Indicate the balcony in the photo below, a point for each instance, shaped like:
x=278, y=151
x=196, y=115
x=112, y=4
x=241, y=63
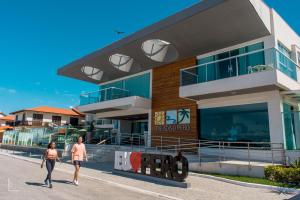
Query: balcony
x=250, y=72
x=113, y=99
x=103, y=95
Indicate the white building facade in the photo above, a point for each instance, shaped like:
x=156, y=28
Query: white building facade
x=240, y=84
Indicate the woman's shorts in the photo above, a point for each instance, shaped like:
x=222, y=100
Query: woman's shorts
x=77, y=162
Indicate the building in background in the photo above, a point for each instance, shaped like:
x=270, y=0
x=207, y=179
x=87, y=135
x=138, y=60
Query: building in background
x=44, y=115
x=6, y=123
x=217, y=71
x=7, y=120
x=2, y=114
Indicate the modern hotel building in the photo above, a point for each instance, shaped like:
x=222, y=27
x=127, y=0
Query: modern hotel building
x=221, y=70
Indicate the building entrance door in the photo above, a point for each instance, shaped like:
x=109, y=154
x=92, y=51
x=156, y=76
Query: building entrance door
x=139, y=131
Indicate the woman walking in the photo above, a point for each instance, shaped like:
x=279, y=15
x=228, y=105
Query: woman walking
x=50, y=156
x=78, y=154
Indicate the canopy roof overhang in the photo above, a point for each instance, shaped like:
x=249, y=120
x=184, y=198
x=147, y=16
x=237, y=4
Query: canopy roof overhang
x=292, y=94
x=207, y=26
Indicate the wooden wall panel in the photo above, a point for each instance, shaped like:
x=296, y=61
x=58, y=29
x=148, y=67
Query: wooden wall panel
x=165, y=96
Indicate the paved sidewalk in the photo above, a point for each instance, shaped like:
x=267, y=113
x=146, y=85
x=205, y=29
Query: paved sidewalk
x=201, y=188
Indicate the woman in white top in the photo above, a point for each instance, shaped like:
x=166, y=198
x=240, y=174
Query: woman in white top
x=50, y=156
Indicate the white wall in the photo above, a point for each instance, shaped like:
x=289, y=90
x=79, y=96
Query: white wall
x=2, y=123
x=263, y=11
x=283, y=32
x=47, y=117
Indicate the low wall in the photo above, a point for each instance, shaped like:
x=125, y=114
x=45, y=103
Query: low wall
x=27, y=149
x=242, y=154
x=226, y=168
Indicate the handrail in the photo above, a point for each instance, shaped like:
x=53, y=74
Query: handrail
x=240, y=55
x=103, y=141
x=103, y=90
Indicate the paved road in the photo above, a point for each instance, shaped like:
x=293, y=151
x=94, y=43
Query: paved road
x=23, y=180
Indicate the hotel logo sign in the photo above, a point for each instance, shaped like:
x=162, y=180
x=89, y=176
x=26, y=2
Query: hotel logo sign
x=172, y=120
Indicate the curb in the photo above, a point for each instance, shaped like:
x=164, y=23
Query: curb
x=252, y=185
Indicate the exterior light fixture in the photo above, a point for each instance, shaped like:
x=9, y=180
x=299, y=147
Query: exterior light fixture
x=159, y=50
x=92, y=72
x=121, y=62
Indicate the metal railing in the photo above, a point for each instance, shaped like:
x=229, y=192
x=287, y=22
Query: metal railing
x=106, y=94
x=197, y=151
x=247, y=63
x=204, y=150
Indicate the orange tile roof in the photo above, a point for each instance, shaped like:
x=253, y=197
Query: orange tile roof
x=8, y=118
x=47, y=109
x=5, y=127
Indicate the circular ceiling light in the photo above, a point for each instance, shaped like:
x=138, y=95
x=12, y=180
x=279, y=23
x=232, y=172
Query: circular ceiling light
x=121, y=62
x=92, y=72
x=159, y=50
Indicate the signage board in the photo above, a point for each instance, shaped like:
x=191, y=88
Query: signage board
x=155, y=165
x=172, y=120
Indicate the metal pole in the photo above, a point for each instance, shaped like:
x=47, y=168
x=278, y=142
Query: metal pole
x=219, y=153
x=139, y=142
x=272, y=154
x=237, y=66
x=199, y=153
x=131, y=138
x=249, y=155
x=161, y=144
x=206, y=73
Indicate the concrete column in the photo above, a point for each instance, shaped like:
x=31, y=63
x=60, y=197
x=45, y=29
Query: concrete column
x=275, y=118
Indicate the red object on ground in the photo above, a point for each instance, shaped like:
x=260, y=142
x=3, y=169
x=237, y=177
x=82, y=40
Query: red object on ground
x=136, y=160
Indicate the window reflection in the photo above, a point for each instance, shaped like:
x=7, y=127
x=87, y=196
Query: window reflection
x=242, y=123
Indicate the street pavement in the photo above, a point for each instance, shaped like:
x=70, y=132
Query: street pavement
x=23, y=180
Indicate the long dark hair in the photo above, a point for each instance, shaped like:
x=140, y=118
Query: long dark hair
x=49, y=145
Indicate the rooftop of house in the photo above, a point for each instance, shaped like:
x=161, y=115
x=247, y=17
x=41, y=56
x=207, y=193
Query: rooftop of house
x=1, y=113
x=47, y=109
x=4, y=128
x=8, y=118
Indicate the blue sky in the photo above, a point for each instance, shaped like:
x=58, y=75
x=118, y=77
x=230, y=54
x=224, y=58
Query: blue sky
x=37, y=37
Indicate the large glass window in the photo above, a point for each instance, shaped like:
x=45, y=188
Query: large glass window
x=231, y=67
x=136, y=86
x=284, y=50
x=285, y=63
x=291, y=120
x=242, y=123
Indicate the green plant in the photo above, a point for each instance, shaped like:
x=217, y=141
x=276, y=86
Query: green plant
x=282, y=174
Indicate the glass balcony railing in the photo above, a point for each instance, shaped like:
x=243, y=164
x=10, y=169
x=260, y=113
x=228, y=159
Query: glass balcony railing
x=103, y=95
x=248, y=63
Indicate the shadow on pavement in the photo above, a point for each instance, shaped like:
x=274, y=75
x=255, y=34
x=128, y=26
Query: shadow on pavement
x=35, y=184
x=105, y=167
x=297, y=197
x=62, y=181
